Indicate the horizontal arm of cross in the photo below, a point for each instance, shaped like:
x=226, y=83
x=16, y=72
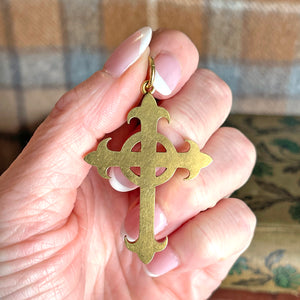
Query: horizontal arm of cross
x=193, y=160
x=103, y=158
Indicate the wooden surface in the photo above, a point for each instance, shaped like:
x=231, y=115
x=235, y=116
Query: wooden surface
x=223, y=294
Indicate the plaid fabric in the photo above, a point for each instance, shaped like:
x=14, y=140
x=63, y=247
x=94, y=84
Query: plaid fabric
x=47, y=47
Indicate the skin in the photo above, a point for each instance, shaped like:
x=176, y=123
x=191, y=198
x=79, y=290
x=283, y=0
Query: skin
x=60, y=222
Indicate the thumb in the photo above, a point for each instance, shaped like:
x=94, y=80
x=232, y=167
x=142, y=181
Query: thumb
x=40, y=186
x=95, y=107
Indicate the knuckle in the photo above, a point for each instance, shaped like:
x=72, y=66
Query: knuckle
x=63, y=104
x=244, y=220
x=215, y=85
x=208, y=248
x=244, y=217
x=223, y=231
x=244, y=149
x=241, y=223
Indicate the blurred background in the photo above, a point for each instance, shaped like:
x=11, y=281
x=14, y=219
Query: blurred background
x=48, y=47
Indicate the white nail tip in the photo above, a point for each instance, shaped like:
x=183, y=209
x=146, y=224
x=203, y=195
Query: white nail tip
x=129, y=238
x=160, y=85
x=116, y=184
x=146, y=35
x=149, y=273
x=162, y=223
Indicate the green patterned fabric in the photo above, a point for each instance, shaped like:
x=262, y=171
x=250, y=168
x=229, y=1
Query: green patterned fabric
x=272, y=262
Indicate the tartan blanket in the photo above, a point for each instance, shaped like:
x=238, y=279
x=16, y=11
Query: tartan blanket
x=47, y=47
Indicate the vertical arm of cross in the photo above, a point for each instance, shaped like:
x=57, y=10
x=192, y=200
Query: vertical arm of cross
x=146, y=245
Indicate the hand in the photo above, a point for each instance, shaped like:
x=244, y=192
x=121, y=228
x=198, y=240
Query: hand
x=60, y=222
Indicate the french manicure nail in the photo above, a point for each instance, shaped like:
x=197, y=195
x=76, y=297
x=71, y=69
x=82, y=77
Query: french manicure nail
x=119, y=181
x=131, y=224
x=162, y=263
x=128, y=52
x=160, y=220
x=167, y=73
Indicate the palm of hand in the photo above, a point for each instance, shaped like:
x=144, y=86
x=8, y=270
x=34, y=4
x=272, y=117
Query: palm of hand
x=97, y=264
x=82, y=256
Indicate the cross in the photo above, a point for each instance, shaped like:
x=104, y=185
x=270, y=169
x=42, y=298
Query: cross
x=148, y=159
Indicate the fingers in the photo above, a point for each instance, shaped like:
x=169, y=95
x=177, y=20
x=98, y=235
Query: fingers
x=233, y=160
x=97, y=106
x=211, y=237
x=178, y=200
x=192, y=282
x=172, y=71
x=86, y=113
x=196, y=111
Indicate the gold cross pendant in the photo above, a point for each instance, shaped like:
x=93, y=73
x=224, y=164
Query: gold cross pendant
x=148, y=159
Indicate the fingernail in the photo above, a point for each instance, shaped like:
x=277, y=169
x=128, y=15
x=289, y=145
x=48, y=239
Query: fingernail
x=128, y=52
x=131, y=224
x=162, y=263
x=167, y=73
x=160, y=220
x=118, y=180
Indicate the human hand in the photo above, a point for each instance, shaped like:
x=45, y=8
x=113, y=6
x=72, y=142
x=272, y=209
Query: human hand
x=60, y=222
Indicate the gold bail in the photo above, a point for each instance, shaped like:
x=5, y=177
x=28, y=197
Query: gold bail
x=147, y=86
